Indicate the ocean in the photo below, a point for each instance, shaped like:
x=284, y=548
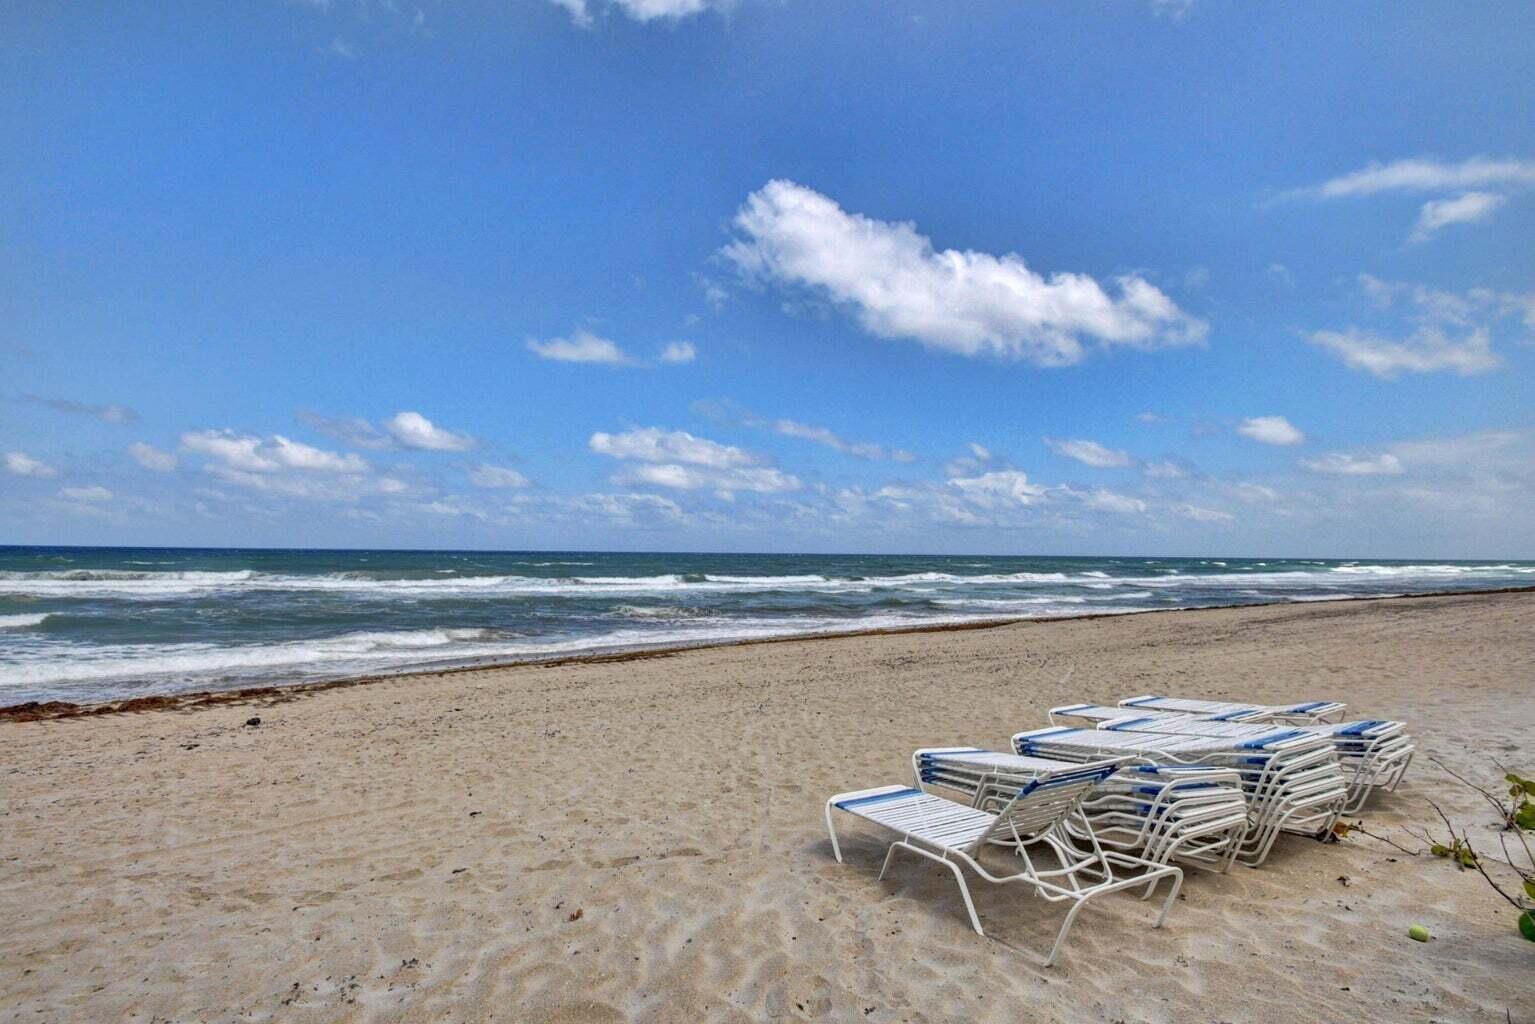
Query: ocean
x=90, y=624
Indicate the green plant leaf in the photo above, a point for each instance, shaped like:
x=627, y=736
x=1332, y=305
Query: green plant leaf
x=1527, y=926
x=1525, y=816
x=1529, y=888
x=1439, y=850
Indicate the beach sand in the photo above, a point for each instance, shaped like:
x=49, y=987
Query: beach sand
x=642, y=840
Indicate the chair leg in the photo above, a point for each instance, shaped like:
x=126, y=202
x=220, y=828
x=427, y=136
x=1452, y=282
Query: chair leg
x=889, y=856
x=1171, y=896
x=1060, y=937
x=959, y=876
x=832, y=830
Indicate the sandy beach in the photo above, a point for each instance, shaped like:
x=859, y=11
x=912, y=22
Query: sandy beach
x=642, y=840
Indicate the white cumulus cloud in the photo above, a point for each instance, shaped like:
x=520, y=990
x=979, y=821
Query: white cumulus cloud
x=413, y=430
x=1089, y=453
x=971, y=303
x=1006, y=486
x=269, y=455
x=23, y=464
x=150, y=457
x=1271, y=430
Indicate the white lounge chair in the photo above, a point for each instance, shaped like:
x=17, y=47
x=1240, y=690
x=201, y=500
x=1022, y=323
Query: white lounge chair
x=1301, y=712
x=1292, y=779
x=1197, y=815
x=1373, y=753
x=953, y=834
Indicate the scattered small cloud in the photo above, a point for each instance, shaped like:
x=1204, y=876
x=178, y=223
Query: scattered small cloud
x=93, y=493
x=1280, y=274
x=413, y=430
x=250, y=454
x=1425, y=175
x=580, y=11
x=118, y=414
x=1343, y=464
x=1165, y=469
x=965, y=302
x=22, y=464
x=353, y=431
x=1433, y=330
x=677, y=352
x=1009, y=486
x=682, y=461
x=496, y=477
x=857, y=449
x=581, y=347
x=1271, y=430
x=726, y=411
x=1467, y=208
x=1426, y=350
x=1465, y=185
x=1175, y=10
x=150, y=457
x=1089, y=453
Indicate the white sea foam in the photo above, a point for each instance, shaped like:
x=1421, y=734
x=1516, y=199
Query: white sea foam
x=160, y=586
x=160, y=668
x=22, y=621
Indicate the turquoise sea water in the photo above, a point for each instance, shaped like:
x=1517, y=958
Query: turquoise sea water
x=87, y=624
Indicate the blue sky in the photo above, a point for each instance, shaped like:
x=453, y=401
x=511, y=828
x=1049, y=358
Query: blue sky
x=1117, y=277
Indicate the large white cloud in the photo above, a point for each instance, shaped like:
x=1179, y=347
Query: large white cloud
x=1089, y=453
x=972, y=303
x=413, y=430
x=22, y=464
x=1271, y=430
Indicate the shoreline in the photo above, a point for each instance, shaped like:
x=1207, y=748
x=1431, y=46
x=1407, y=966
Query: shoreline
x=39, y=711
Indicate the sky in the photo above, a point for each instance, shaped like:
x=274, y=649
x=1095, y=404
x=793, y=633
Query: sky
x=1106, y=277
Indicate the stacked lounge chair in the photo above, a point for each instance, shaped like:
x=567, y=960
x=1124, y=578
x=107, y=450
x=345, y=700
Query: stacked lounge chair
x=1302, y=712
x=1374, y=753
x=1292, y=780
x=1157, y=812
x=1031, y=821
